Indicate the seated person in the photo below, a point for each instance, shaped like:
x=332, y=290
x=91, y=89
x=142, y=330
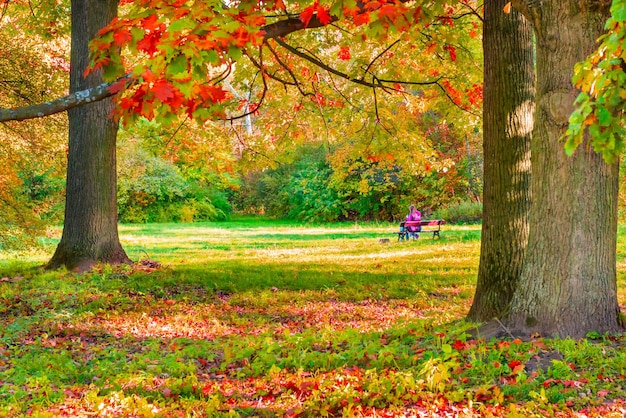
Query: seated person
x=414, y=215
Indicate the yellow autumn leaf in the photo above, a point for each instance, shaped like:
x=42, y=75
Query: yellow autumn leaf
x=507, y=8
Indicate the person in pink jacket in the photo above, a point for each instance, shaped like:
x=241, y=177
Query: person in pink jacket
x=414, y=215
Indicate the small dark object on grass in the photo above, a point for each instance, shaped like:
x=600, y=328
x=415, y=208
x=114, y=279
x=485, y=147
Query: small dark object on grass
x=150, y=263
x=383, y=241
x=147, y=265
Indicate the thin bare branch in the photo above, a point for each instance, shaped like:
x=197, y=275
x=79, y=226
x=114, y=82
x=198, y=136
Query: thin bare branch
x=322, y=65
x=371, y=64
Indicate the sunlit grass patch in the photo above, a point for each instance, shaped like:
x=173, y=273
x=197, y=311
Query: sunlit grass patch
x=268, y=318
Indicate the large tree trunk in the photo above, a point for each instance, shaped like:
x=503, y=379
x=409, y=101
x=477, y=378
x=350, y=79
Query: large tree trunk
x=90, y=230
x=508, y=109
x=568, y=282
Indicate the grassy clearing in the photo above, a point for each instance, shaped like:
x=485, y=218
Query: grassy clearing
x=260, y=318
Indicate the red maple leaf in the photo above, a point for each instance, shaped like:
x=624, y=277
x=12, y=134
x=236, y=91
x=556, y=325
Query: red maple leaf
x=163, y=90
x=121, y=37
x=323, y=15
x=452, y=50
x=255, y=20
x=117, y=86
x=362, y=19
x=318, y=99
x=389, y=10
x=148, y=43
x=307, y=14
x=372, y=5
x=213, y=94
x=107, y=28
x=344, y=53
x=458, y=345
x=241, y=36
x=150, y=22
x=100, y=45
x=127, y=103
x=177, y=101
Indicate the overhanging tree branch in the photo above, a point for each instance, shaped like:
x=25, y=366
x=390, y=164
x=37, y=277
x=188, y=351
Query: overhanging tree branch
x=276, y=31
x=103, y=91
x=62, y=104
x=283, y=28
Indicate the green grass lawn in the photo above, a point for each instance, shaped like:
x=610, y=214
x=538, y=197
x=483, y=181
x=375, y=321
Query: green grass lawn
x=262, y=318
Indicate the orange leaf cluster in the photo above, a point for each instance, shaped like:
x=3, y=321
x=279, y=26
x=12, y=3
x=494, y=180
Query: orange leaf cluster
x=318, y=10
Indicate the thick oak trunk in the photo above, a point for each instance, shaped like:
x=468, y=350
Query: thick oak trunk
x=90, y=232
x=568, y=281
x=508, y=109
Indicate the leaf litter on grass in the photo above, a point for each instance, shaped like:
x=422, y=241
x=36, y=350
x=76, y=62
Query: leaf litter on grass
x=151, y=343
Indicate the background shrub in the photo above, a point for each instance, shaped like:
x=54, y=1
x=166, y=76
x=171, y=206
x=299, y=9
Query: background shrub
x=461, y=213
x=152, y=189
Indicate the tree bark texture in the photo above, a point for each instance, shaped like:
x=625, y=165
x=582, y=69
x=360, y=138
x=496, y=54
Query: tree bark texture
x=90, y=232
x=508, y=110
x=568, y=286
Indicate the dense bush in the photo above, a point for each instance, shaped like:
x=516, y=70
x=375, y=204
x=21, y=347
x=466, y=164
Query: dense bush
x=299, y=190
x=310, y=197
x=368, y=188
x=151, y=189
x=461, y=213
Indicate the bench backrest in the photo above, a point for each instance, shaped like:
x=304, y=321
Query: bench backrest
x=422, y=222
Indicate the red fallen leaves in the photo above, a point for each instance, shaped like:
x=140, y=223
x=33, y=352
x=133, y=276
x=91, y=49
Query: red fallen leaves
x=147, y=266
x=568, y=383
x=11, y=279
x=516, y=366
x=458, y=345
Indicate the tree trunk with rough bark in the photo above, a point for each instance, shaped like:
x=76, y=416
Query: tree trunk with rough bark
x=90, y=232
x=508, y=110
x=568, y=286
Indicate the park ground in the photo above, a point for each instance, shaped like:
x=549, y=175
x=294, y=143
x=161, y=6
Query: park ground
x=265, y=318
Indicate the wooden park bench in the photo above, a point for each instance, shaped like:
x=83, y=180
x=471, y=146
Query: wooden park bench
x=433, y=225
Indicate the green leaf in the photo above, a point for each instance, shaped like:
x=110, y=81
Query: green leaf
x=137, y=34
x=604, y=116
x=572, y=142
x=211, y=56
x=618, y=10
x=177, y=65
x=185, y=88
x=181, y=24
x=112, y=71
x=234, y=52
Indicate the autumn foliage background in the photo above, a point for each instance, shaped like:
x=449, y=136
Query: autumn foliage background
x=318, y=149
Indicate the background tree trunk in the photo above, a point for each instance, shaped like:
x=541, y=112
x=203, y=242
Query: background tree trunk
x=90, y=232
x=568, y=282
x=508, y=109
